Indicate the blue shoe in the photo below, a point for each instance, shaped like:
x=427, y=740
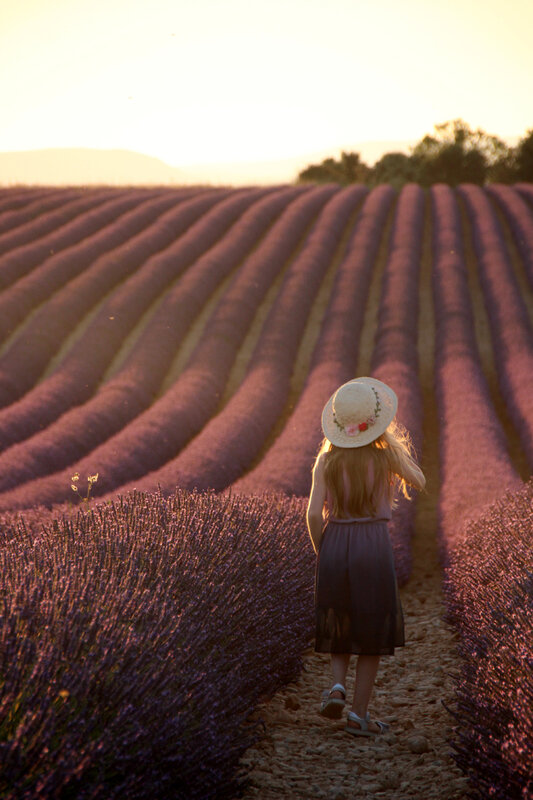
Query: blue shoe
x=331, y=707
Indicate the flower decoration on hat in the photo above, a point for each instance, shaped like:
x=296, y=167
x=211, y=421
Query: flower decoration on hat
x=355, y=428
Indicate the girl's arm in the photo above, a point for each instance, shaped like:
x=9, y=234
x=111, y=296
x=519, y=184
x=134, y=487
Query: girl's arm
x=315, y=506
x=405, y=467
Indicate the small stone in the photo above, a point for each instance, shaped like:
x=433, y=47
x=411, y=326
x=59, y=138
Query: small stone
x=389, y=780
x=292, y=703
x=284, y=716
x=418, y=744
x=339, y=794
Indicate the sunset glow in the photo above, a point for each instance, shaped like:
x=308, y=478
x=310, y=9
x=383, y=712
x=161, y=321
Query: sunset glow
x=246, y=80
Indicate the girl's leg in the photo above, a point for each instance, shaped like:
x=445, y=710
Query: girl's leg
x=339, y=668
x=367, y=667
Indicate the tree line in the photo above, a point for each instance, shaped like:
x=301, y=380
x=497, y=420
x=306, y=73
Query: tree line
x=453, y=154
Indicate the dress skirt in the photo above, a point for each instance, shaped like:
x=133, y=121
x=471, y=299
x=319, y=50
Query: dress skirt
x=357, y=605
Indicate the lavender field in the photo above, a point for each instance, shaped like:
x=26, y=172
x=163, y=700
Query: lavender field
x=181, y=343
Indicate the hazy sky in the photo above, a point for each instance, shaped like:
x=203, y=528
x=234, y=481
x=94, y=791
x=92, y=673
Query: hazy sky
x=227, y=80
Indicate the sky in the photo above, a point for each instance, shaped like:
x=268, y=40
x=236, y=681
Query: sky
x=220, y=81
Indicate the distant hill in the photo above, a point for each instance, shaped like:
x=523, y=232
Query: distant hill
x=80, y=165
x=90, y=166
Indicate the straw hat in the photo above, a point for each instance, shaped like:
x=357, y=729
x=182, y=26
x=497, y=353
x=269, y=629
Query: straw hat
x=358, y=412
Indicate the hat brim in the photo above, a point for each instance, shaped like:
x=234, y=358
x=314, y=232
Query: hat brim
x=389, y=405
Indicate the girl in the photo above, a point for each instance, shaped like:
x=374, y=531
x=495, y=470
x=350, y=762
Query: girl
x=363, y=459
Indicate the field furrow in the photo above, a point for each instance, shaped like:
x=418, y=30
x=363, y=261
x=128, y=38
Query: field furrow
x=30, y=244
x=520, y=218
x=13, y=199
x=88, y=272
x=475, y=466
x=135, y=384
x=395, y=356
x=160, y=432
x=286, y=467
x=484, y=545
x=511, y=329
x=232, y=438
x=162, y=258
x=13, y=214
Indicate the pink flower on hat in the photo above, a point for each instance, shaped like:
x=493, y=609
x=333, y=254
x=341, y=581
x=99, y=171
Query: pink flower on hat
x=352, y=429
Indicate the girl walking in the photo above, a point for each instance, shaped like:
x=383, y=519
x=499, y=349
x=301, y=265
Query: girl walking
x=366, y=457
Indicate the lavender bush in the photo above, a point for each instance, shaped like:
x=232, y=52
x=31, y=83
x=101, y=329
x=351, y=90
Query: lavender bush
x=18, y=208
x=29, y=245
x=156, y=258
x=489, y=587
x=154, y=276
x=475, y=467
x=233, y=438
x=137, y=638
x=72, y=282
x=520, y=218
x=132, y=388
x=526, y=190
x=511, y=330
x=76, y=277
x=286, y=467
x=395, y=356
x=158, y=433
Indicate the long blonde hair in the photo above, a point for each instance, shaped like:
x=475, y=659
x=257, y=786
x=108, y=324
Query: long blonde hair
x=392, y=458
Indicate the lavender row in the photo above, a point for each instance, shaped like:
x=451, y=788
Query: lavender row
x=14, y=213
x=475, y=467
x=160, y=432
x=132, y=388
x=29, y=244
x=160, y=259
x=520, y=218
x=490, y=590
x=511, y=329
x=526, y=190
x=230, y=441
x=83, y=261
x=233, y=438
x=286, y=467
x=395, y=356
x=81, y=276
x=124, y=634
x=17, y=197
x=474, y=463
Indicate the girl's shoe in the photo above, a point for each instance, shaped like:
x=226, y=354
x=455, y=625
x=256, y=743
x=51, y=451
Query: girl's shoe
x=331, y=707
x=364, y=730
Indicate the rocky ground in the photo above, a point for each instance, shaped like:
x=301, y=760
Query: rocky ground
x=304, y=755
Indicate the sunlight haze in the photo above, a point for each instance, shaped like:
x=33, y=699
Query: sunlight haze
x=209, y=82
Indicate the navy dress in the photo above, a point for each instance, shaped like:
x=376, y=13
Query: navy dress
x=357, y=604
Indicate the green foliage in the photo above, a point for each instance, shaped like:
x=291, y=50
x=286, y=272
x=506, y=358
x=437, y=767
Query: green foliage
x=524, y=158
x=394, y=168
x=348, y=169
x=453, y=154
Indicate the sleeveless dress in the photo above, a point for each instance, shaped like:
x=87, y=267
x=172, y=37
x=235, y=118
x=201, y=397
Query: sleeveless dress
x=357, y=604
